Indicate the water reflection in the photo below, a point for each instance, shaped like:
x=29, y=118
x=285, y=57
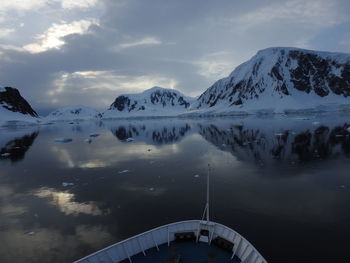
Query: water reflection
x=101, y=205
x=153, y=132
x=269, y=145
x=15, y=148
x=66, y=204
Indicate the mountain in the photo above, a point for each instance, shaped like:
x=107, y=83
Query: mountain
x=79, y=112
x=13, y=107
x=282, y=80
x=153, y=102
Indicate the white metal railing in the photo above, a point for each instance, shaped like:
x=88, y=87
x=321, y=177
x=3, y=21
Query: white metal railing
x=165, y=234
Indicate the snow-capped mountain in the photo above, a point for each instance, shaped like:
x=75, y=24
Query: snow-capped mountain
x=153, y=102
x=13, y=107
x=282, y=80
x=79, y=112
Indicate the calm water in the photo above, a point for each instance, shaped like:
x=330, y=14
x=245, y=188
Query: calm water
x=283, y=183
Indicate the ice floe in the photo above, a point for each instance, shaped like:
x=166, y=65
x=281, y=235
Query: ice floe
x=63, y=140
x=65, y=184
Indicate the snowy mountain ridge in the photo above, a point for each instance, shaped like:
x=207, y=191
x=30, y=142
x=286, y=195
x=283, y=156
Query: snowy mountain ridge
x=79, y=112
x=280, y=80
x=153, y=102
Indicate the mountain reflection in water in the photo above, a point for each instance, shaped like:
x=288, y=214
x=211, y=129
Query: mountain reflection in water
x=16, y=148
x=278, y=181
x=261, y=145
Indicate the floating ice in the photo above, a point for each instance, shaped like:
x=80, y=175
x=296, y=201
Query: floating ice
x=303, y=118
x=123, y=172
x=65, y=184
x=31, y=233
x=5, y=155
x=279, y=134
x=316, y=123
x=130, y=139
x=88, y=140
x=94, y=134
x=196, y=176
x=63, y=140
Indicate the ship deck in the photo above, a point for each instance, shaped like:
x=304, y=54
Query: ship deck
x=184, y=252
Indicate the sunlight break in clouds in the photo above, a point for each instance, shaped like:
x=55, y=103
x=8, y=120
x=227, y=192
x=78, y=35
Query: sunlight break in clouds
x=101, y=86
x=108, y=80
x=52, y=37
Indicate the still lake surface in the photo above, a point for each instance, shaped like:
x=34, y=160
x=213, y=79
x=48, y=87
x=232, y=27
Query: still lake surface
x=282, y=182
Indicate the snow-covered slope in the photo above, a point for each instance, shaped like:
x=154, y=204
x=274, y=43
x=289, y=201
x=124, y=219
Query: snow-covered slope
x=14, y=108
x=152, y=102
x=79, y=112
x=282, y=80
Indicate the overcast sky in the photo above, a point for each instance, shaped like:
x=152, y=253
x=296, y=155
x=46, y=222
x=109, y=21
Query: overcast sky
x=66, y=52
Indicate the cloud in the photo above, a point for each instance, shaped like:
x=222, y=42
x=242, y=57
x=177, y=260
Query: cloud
x=53, y=36
x=22, y=5
x=312, y=13
x=4, y=32
x=104, y=85
x=64, y=202
x=99, y=53
x=215, y=65
x=141, y=42
x=71, y=4
x=27, y=5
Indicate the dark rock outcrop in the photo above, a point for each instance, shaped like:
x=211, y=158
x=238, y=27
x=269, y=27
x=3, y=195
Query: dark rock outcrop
x=12, y=100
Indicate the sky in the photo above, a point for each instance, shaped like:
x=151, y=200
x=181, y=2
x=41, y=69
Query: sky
x=62, y=53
